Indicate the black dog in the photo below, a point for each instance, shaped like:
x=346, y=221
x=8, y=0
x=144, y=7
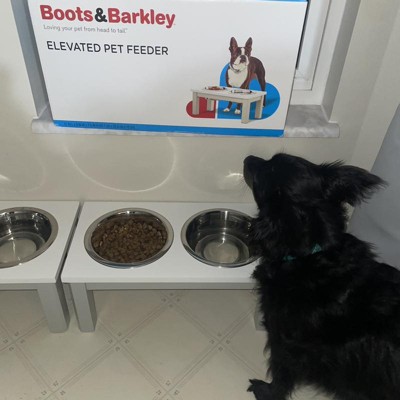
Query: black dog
x=332, y=312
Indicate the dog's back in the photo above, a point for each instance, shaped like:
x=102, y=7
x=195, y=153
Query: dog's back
x=332, y=312
x=334, y=318
x=257, y=71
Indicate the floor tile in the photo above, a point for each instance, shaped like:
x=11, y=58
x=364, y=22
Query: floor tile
x=59, y=356
x=5, y=339
x=148, y=345
x=17, y=379
x=171, y=294
x=248, y=344
x=217, y=310
x=114, y=376
x=168, y=344
x=20, y=311
x=120, y=311
x=219, y=376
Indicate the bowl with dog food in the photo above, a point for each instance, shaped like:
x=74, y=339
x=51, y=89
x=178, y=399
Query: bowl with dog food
x=219, y=237
x=25, y=233
x=128, y=238
x=215, y=88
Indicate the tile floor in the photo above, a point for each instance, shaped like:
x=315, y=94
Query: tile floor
x=148, y=345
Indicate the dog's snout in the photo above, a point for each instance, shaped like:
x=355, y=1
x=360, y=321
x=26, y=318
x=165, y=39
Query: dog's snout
x=252, y=160
x=249, y=168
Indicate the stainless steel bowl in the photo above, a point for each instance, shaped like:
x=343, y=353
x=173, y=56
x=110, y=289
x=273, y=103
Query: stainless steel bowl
x=25, y=233
x=122, y=216
x=219, y=237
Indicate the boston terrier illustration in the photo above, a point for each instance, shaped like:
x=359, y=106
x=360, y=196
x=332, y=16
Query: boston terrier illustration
x=242, y=69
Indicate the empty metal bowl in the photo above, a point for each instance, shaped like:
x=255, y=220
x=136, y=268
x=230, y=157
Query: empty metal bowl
x=128, y=238
x=25, y=233
x=219, y=237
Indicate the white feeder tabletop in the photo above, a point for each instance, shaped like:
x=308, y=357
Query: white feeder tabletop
x=45, y=267
x=176, y=266
x=230, y=93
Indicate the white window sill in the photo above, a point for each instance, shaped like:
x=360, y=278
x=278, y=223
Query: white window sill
x=302, y=121
x=309, y=121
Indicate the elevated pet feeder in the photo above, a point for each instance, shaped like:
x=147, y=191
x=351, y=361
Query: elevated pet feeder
x=34, y=239
x=175, y=269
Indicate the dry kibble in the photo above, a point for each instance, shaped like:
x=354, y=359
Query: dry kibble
x=129, y=239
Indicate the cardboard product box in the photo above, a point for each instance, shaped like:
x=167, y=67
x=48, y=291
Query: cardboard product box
x=219, y=67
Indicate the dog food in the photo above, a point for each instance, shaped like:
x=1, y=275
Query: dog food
x=129, y=239
x=214, y=88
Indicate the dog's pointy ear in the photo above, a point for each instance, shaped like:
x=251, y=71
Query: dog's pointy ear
x=349, y=184
x=249, y=44
x=233, y=44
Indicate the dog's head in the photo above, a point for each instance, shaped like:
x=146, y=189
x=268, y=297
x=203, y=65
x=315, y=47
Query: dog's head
x=240, y=55
x=302, y=204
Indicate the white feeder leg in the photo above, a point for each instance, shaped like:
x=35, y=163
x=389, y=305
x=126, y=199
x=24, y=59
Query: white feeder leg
x=85, y=308
x=54, y=305
x=245, y=112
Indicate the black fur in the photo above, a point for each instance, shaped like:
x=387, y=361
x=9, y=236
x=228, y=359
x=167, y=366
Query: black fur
x=332, y=312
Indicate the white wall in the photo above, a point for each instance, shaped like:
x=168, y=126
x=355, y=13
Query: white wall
x=382, y=103
x=370, y=89
x=42, y=166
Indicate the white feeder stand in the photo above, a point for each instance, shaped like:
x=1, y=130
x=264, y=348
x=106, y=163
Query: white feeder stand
x=176, y=269
x=36, y=267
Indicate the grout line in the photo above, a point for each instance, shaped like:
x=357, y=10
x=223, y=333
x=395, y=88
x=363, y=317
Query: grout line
x=164, y=384
x=145, y=321
x=168, y=299
x=170, y=303
x=55, y=385
x=219, y=336
x=138, y=324
x=114, y=348
x=34, y=372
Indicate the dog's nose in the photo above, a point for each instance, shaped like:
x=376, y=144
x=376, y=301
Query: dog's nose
x=252, y=160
